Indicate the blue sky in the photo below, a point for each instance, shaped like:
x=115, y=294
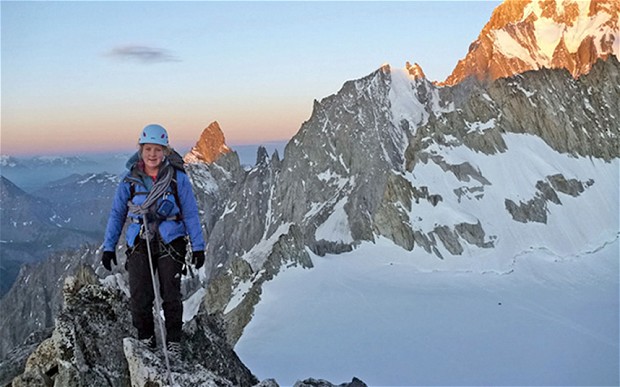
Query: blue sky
x=87, y=76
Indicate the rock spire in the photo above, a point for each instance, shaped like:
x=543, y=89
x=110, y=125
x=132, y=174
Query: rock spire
x=209, y=147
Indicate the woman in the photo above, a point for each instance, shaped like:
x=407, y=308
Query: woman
x=160, y=192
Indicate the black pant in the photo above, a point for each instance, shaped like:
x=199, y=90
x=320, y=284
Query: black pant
x=168, y=262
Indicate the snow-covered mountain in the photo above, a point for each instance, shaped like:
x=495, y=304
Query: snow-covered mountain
x=393, y=171
x=531, y=34
x=470, y=176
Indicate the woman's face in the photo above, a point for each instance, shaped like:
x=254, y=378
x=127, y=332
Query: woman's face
x=152, y=155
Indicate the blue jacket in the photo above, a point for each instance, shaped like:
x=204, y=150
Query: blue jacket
x=170, y=228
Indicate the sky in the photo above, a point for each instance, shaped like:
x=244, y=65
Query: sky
x=82, y=77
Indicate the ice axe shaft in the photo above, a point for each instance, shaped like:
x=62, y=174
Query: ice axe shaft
x=157, y=299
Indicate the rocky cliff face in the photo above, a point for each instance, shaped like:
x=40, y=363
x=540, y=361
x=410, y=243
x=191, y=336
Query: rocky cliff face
x=527, y=35
x=583, y=126
x=35, y=300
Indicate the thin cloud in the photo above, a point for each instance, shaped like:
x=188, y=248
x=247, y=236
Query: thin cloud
x=142, y=54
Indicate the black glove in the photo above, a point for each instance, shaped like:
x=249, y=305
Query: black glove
x=107, y=259
x=198, y=258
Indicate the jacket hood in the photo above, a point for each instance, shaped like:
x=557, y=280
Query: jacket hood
x=133, y=160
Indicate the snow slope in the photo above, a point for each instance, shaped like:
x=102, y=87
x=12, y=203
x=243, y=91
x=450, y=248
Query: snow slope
x=374, y=314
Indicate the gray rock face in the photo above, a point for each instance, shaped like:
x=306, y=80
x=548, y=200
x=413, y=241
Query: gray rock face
x=535, y=209
x=92, y=345
x=355, y=382
x=36, y=299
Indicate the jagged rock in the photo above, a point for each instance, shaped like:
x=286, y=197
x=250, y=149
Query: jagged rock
x=287, y=250
x=449, y=238
x=268, y=383
x=474, y=234
x=426, y=241
x=36, y=299
x=205, y=344
x=572, y=187
x=547, y=192
x=86, y=346
x=391, y=218
x=149, y=369
x=534, y=210
x=575, y=116
x=355, y=382
x=92, y=345
x=250, y=193
x=17, y=359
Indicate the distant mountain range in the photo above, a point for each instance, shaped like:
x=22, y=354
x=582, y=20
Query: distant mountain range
x=63, y=215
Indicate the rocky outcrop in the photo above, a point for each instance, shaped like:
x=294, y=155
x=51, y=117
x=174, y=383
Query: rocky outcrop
x=574, y=116
x=535, y=209
x=92, y=345
x=355, y=382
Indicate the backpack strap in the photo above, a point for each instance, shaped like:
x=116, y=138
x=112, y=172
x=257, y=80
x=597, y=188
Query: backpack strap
x=175, y=192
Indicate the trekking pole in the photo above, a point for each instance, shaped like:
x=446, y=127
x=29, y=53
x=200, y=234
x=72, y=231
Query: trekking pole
x=157, y=301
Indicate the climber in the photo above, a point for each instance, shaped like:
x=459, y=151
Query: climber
x=157, y=196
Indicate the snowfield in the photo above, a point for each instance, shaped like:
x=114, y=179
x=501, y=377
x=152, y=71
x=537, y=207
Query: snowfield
x=375, y=314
